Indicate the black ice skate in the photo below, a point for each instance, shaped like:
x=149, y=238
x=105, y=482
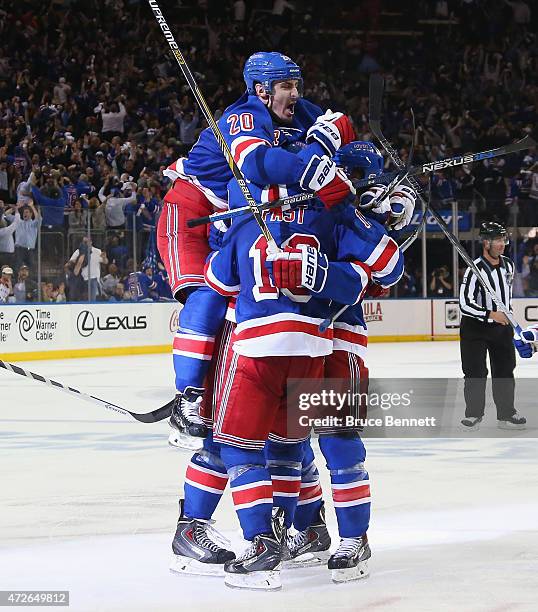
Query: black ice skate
x=350, y=561
x=195, y=551
x=188, y=429
x=516, y=421
x=311, y=546
x=471, y=423
x=259, y=566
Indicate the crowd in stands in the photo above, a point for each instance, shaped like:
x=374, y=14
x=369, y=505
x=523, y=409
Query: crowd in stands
x=93, y=109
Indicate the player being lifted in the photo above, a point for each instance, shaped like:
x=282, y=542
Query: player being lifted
x=269, y=114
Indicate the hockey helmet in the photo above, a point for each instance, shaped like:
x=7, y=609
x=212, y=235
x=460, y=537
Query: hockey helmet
x=491, y=230
x=269, y=67
x=360, y=154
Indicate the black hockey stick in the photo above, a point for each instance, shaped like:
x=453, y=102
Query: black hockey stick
x=376, y=99
x=383, y=179
x=271, y=244
x=453, y=162
x=284, y=203
x=147, y=417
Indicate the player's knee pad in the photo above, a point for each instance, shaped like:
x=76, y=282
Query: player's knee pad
x=343, y=452
x=285, y=455
x=203, y=312
x=240, y=460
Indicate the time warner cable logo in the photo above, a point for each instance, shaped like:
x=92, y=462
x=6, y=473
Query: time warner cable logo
x=25, y=321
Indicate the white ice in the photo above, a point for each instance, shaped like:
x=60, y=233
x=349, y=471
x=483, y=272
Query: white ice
x=89, y=501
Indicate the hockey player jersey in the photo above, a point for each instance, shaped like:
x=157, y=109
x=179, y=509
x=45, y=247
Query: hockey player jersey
x=256, y=142
x=278, y=322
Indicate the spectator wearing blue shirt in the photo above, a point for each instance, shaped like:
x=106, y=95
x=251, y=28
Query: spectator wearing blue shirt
x=26, y=236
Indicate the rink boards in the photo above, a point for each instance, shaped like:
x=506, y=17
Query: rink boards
x=59, y=331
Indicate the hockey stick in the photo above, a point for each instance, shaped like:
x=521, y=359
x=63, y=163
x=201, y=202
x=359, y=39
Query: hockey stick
x=147, y=417
x=452, y=162
x=376, y=98
x=271, y=244
x=383, y=179
x=283, y=203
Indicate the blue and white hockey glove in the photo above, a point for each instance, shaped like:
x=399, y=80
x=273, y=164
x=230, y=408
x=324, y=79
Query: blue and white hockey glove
x=330, y=183
x=524, y=349
x=402, y=205
x=397, y=207
x=526, y=346
x=303, y=266
x=530, y=334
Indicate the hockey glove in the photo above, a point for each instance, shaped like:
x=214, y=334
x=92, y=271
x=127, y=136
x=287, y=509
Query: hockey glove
x=331, y=131
x=303, y=266
x=402, y=205
x=329, y=182
x=376, y=291
x=524, y=348
x=375, y=200
x=530, y=334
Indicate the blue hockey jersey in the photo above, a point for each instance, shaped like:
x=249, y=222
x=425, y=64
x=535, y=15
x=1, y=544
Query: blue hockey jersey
x=350, y=329
x=278, y=322
x=255, y=142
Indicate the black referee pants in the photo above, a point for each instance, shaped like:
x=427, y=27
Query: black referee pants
x=477, y=339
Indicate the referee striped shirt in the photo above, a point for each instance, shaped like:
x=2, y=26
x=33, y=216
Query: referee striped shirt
x=474, y=301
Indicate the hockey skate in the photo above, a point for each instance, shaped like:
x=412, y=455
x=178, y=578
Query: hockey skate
x=516, y=421
x=188, y=429
x=258, y=568
x=309, y=547
x=350, y=561
x=195, y=549
x=471, y=423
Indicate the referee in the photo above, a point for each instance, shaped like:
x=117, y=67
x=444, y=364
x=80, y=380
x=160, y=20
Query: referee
x=484, y=330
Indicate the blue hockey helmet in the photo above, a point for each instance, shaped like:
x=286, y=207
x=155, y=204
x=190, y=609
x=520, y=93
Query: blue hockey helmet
x=268, y=67
x=360, y=154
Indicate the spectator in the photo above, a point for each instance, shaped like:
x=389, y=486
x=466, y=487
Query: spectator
x=120, y=295
x=110, y=280
x=113, y=117
x=26, y=236
x=116, y=196
x=88, y=260
x=6, y=286
x=7, y=242
x=25, y=289
x=61, y=91
x=78, y=218
x=440, y=286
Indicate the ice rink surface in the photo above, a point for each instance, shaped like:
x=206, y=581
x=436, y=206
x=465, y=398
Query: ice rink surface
x=89, y=502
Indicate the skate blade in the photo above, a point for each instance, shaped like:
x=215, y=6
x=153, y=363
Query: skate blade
x=193, y=567
x=183, y=441
x=256, y=581
x=508, y=426
x=469, y=427
x=348, y=574
x=309, y=559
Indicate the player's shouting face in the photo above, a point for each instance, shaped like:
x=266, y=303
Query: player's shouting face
x=281, y=101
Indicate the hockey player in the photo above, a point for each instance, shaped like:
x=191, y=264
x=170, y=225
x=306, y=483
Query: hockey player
x=343, y=449
x=269, y=114
x=277, y=337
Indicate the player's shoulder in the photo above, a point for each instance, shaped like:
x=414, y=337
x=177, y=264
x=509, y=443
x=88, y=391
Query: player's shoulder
x=247, y=104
